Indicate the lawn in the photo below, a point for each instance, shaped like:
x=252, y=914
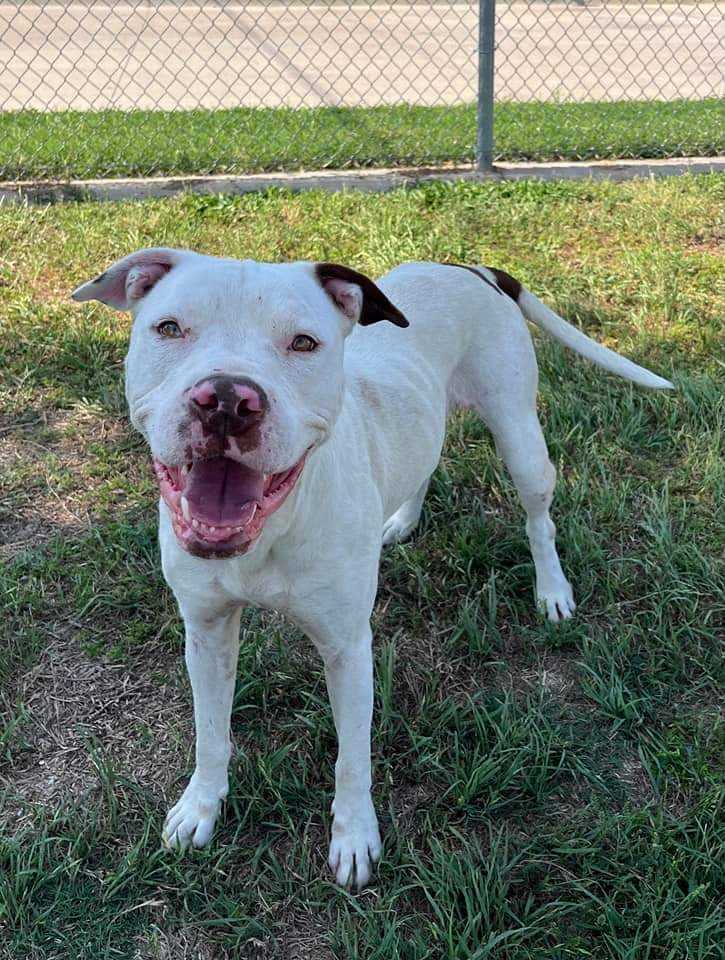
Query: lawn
x=113, y=143
x=545, y=793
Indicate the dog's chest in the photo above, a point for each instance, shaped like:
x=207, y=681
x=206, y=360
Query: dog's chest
x=261, y=586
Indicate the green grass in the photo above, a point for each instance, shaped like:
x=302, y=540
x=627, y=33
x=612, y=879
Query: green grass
x=544, y=793
x=115, y=143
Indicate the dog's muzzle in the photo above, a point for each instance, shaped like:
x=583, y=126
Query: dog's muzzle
x=218, y=503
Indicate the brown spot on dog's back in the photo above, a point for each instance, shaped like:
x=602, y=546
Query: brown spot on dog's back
x=481, y=276
x=510, y=285
x=505, y=283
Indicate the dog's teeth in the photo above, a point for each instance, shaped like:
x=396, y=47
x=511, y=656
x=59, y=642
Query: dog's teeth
x=247, y=514
x=185, y=509
x=212, y=529
x=195, y=524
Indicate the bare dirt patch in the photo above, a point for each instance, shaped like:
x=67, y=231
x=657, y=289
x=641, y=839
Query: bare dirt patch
x=638, y=784
x=45, y=488
x=304, y=942
x=84, y=712
x=184, y=944
x=31, y=509
x=555, y=675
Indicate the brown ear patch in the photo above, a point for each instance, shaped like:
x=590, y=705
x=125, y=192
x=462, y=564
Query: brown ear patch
x=505, y=283
x=375, y=305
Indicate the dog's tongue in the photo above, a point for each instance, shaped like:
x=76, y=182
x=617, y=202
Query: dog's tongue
x=218, y=489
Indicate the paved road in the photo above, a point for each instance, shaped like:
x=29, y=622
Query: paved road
x=127, y=55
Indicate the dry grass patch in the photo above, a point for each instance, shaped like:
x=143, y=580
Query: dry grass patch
x=82, y=712
x=52, y=470
x=184, y=944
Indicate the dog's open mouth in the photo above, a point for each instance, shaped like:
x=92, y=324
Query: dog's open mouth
x=219, y=506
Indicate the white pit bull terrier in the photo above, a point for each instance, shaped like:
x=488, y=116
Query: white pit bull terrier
x=292, y=440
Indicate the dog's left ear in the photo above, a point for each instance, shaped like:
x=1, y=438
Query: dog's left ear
x=357, y=296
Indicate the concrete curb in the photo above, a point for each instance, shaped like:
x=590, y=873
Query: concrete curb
x=377, y=180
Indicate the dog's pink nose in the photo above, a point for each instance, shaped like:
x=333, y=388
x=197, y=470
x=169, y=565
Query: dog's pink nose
x=240, y=395
x=228, y=405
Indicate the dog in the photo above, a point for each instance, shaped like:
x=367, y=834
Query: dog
x=295, y=413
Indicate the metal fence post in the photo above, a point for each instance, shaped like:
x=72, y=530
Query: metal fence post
x=484, y=112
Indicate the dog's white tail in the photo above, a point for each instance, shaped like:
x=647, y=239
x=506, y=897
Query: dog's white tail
x=537, y=312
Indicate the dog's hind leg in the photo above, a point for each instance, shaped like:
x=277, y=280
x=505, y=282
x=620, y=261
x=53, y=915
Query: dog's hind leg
x=406, y=517
x=521, y=444
x=500, y=383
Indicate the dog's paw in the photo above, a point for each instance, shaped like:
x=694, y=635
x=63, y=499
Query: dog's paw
x=192, y=819
x=396, y=530
x=354, y=849
x=557, y=601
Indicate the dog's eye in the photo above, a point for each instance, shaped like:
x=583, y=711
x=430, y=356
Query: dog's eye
x=169, y=328
x=303, y=344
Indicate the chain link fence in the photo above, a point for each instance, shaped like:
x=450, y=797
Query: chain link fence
x=112, y=89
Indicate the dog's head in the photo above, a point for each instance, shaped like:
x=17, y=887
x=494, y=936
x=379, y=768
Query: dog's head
x=234, y=373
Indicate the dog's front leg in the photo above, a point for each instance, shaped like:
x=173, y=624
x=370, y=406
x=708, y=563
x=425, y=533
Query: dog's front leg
x=355, y=843
x=212, y=648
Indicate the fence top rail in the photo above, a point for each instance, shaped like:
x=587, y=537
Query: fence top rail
x=273, y=5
